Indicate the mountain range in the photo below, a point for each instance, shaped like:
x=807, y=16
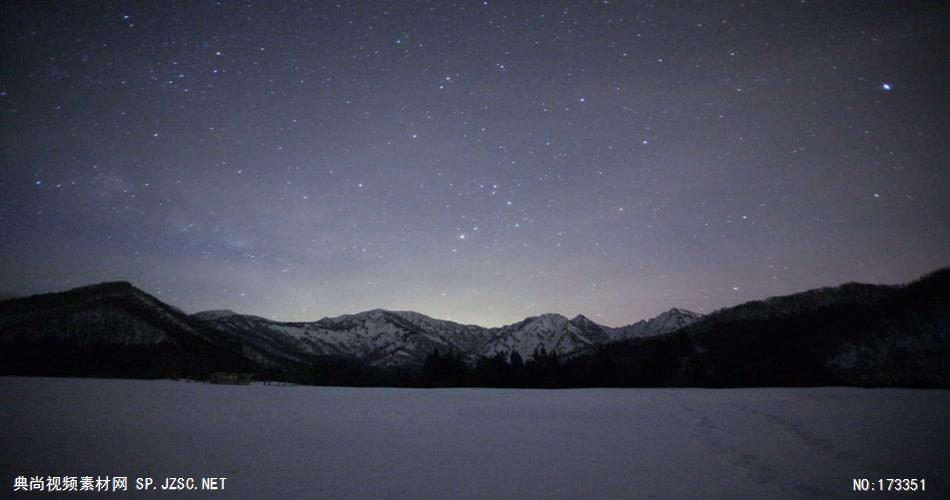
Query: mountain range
x=842, y=334
x=118, y=314
x=400, y=339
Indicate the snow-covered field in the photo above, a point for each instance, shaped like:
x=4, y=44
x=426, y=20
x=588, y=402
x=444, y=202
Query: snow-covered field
x=321, y=442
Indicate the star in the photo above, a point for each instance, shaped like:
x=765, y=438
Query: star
x=262, y=150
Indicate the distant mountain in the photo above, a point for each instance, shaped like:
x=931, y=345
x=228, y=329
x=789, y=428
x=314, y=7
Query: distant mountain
x=6, y=296
x=670, y=321
x=110, y=329
x=854, y=334
x=115, y=329
x=553, y=332
x=400, y=339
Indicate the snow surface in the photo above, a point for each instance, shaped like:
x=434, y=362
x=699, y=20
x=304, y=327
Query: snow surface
x=305, y=442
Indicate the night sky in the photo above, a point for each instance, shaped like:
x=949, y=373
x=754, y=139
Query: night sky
x=474, y=161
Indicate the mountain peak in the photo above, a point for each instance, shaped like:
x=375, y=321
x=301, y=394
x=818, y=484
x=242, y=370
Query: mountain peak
x=665, y=322
x=547, y=318
x=676, y=311
x=214, y=314
x=108, y=286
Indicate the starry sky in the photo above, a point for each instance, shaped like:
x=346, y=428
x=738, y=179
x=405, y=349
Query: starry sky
x=474, y=161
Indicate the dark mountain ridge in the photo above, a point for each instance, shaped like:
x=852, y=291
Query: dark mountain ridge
x=109, y=329
x=853, y=334
x=860, y=335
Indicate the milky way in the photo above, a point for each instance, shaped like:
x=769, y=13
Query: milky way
x=474, y=161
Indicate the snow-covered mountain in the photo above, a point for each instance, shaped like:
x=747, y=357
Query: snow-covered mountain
x=118, y=315
x=669, y=321
x=394, y=339
x=852, y=334
x=553, y=332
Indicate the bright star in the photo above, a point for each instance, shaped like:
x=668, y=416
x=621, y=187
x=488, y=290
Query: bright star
x=886, y=87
